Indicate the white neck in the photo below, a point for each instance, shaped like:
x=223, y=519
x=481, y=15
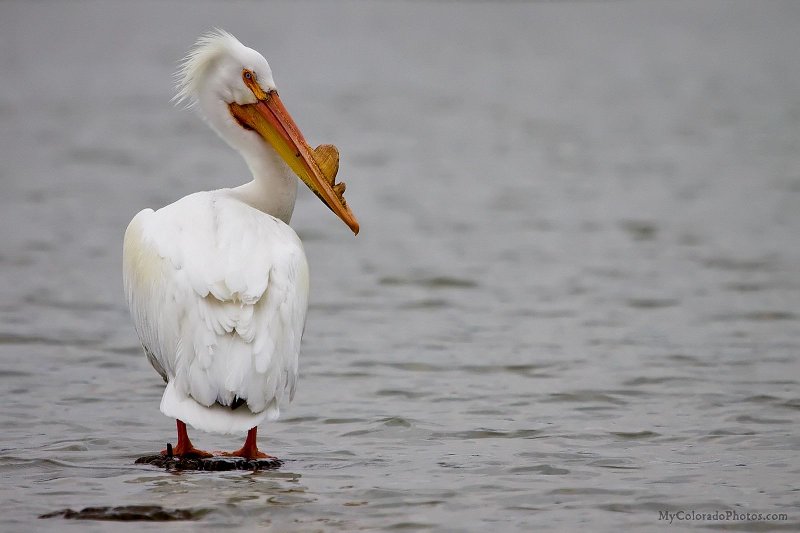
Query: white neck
x=274, y=186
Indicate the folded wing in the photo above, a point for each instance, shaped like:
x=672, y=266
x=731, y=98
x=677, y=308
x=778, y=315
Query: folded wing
x=218, y=292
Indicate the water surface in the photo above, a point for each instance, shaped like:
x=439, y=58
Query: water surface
x=573, y=303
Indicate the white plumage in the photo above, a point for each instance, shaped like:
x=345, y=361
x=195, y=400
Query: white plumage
x=218, y=291
x=217, y=282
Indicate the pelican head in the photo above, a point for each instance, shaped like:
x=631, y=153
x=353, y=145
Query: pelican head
x=234, y=89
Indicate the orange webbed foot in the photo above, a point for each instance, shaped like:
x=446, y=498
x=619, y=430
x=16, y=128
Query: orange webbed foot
x=248, y=454
x=186, y=452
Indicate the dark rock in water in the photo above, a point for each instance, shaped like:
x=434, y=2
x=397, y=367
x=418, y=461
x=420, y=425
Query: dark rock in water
x=212, y=464
x=129, y=513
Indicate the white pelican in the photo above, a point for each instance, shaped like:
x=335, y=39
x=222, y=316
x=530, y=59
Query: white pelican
x=217, y=282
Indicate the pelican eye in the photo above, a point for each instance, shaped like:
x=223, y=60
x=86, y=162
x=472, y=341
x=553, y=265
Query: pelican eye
x=250, y=79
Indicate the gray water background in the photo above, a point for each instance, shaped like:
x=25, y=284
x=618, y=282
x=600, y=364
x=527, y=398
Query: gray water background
x=573, y=303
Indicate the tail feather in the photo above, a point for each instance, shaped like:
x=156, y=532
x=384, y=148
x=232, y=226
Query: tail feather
x=214, y=419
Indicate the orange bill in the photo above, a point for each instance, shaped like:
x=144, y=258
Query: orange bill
x=316, y=168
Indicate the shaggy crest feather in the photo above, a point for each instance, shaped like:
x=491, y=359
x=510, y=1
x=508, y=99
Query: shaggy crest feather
x=205, y=51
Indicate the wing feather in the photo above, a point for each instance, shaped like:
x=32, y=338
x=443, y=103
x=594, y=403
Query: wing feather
x=218, y=292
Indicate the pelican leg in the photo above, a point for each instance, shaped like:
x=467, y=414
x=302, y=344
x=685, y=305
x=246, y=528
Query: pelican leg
x=249, y=450
x=184, y=447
